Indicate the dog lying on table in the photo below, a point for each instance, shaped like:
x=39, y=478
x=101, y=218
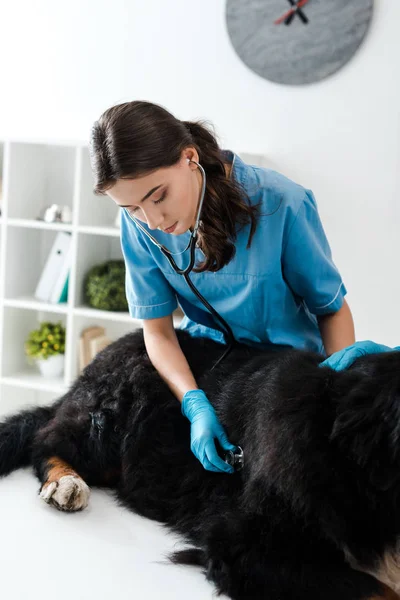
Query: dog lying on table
x=314, y=514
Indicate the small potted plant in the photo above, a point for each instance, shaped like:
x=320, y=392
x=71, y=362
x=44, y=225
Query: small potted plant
x=46, y=347
x=104, y=286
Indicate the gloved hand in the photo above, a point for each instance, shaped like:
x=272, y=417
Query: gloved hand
x=344, y=358
x=205, y=427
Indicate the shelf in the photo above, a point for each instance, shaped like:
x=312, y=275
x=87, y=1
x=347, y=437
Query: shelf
x=112, y=231
x=85, y=311
x=32, y=380
x=52, y=173
x=31, y=303
x=36, y=224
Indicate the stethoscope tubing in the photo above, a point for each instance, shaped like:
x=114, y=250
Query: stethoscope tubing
x=230, y=339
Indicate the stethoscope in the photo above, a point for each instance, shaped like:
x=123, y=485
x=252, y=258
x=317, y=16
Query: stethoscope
x=229, y=337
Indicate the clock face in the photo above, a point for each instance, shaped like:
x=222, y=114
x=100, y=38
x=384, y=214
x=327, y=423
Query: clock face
x=296, y=42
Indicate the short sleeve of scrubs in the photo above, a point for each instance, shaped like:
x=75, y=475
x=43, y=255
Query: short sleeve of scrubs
x=307, y=260
x=148, y=292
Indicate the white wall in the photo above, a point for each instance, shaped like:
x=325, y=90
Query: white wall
x=63, y=64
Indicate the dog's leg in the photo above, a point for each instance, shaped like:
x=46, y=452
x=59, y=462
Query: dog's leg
x=62, y=486
x=389, y=594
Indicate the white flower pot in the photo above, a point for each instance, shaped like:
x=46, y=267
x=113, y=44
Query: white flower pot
x=53, y=366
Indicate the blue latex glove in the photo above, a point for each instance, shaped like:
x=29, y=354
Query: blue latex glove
x=344, y=358
x=205, y=427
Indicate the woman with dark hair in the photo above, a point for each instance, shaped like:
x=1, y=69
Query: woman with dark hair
x=262, y=257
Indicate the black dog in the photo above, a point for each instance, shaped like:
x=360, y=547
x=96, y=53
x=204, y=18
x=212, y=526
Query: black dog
x=313, y=515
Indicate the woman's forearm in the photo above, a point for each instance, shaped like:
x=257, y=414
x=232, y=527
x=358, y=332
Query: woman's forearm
x=168, y=358
x=337, y=329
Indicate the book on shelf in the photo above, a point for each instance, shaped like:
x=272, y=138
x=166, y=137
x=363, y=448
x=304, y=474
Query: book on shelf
x=93, y=340
x=97, y=344
x=52, y=286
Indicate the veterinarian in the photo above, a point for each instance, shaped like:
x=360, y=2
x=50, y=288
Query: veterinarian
x=262, y=257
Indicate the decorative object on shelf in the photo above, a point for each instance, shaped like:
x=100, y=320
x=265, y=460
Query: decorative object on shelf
x=297, y=42
x=53, y=283
x=104, y=286
x=46, y=347
x=92, y=340
x=55, y=213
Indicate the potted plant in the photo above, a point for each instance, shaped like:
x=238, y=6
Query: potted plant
x=46, y=347
x=104, y=286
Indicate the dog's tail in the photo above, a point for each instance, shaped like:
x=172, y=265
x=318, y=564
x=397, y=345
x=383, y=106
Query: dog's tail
x=190, y=556
x=16, y=436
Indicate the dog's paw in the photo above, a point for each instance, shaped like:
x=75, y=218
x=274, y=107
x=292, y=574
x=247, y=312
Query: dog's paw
x=69, y=493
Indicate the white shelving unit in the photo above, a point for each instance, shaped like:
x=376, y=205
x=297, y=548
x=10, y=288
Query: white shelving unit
x=35, y=175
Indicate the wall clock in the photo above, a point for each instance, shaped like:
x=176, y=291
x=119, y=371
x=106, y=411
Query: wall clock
x=297, y=42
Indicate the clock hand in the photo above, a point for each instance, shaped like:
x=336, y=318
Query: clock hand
x=291, y=11
x=299, y=12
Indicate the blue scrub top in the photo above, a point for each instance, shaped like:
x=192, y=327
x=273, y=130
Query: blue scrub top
x=268, y=294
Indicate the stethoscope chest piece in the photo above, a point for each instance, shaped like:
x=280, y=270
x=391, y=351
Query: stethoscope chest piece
x=235, y=459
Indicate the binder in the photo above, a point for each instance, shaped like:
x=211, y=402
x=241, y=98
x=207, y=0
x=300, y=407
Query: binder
x=53, y=267
x=60, y=287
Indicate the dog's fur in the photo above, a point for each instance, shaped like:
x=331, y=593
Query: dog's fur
x=313, y=515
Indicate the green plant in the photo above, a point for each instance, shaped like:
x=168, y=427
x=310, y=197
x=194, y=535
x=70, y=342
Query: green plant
x=46, y=341
x=104, y=286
